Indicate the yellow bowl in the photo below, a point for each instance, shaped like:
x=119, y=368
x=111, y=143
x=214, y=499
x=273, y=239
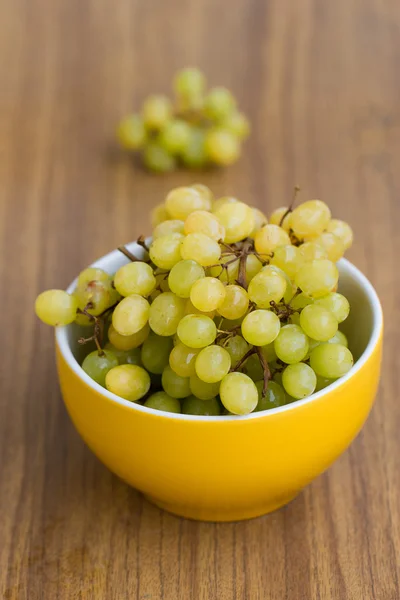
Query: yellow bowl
x=228, y=468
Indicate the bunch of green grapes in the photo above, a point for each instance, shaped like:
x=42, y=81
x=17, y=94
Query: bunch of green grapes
x=199, y=128
x=228, y=312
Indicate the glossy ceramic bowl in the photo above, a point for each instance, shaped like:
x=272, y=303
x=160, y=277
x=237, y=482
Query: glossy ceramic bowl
x=228, y=468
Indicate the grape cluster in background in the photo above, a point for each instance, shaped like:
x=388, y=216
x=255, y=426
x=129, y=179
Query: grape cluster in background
x=226, y=311
x=197, y=129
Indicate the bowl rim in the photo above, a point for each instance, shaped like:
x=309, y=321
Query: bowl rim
x=377, y=327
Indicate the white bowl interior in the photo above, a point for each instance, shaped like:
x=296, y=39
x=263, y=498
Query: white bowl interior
x=362, y=327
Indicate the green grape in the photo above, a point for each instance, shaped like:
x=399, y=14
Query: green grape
x=275, y=396
x=165, y=251
x=203, y=390
x=222, y=201
x=277, y=216
x=175, y=136
x=342, y=230
x=128, y=381
x=235, y=304
x=291, y=345
x=317, y=278
x=56, y=307
x=332, y=244
x=266, y=287
x=336, y=304
x=206, y=408
x=162, y=401
x=207, y=294
x=238, y=393
x=238, y=220
x=157, y=159
x=192, y=310
x=183, y=275
x=173, y=384
x=168, y=226
x=300, y=301
x=182, y=201
x=91, y=274
x=202, y=221
x=166, y=313
x=131, y=315
x=97, y=366
x=219, y=103
x=260, y=327
x=221, y=146
x=155, y=353
x=269, y=238
x=197, y=331
x=339, y=338
x=318, y=322
x=299, y=380
x=322, y=383
x=310, y=218
x=312, y=251
x=259, y=221
x=331, y=360
x=131, y=132
x=182, y=360
x=288, y=258
x=201, y=248
x=205, y=193
x=125, y=357
x=252, y=367
x=127, y=342
x=156, y=111
x=158, y=215
x=253, y=266
x=237, y=124
x=237, y=348
x=194, y=155
x=212, y=364
x=135, y=278
x=95, y=296
x=189, y=85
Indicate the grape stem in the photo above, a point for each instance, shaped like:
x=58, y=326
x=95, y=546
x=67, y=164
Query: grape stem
x=265, y=368
x=290, y=209
x=128, y=254
x=141, y=241
x=242, y=263
x=98, y=328
x=241, y=362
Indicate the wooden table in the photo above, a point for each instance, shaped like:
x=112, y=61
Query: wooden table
x=320, y=80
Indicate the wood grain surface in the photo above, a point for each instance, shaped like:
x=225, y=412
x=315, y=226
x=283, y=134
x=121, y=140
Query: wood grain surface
x=320, y=81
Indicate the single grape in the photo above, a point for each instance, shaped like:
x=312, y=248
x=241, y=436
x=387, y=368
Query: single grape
x=189, y=85
x=155, y=353
x=168, y=226
x=175, y=136
x=182, y=201
x=202, y=390
x=291, y=345
x=238, y=220
x=277, y=216
x=260, y=327
x=237, y=348
x=56, y=307
x=125, y=357
x=269, y=238
x=312, y=251
x=174, y=385
x=194, y=155
x=162, y=401
x=156, y=111
x=318, y=322
x=205, y=193
x=322, y=383
x=331, y=360
x=235, y=304
x=221, y=146
x=201, y=248
x=157, y=159
x=158, y=215
x=95, y=296
x=290, y=287
x=237, y=124
x=266, y=287
x=190, y=309
x=206, y=408
x=98, y=365
x=182, y=360
x=300, y=301
x=201, y=221
x=222, y=201
x=165, y=251
x=127, y=342
x=135, y=278
x=299, y=380
x=259, y=221
x=207, y=294
x=288, y=258
x=336, y=304
x=183, y=275
x=310, y=218
x=238, y=393
x=342, y=230
x=332, y=244
x=197, y=331
x=317, y=278
x=275, y=396
x=339, y=338
x=92, y=274
x=219, y=103
x=212, y=364
x=131, y=315
x=131, y=132
x=128, y=381
x=165, y=313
